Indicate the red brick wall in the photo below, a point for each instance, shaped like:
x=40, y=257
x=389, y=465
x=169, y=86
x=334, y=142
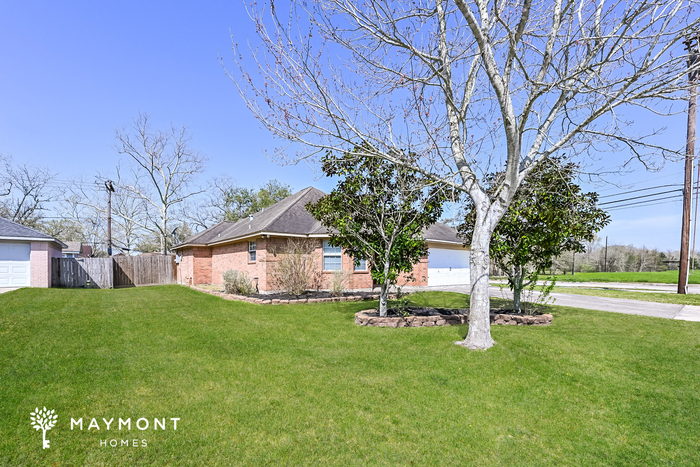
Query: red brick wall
x=235, y=256
x=185, y=271
x=420, y=274
x=201, y=265
x=207, y=265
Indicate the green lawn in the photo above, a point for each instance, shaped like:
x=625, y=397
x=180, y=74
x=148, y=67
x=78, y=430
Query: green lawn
x=666, y=277
x=303, y=385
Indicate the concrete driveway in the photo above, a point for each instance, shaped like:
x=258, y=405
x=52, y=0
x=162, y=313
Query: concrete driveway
x=7, y=289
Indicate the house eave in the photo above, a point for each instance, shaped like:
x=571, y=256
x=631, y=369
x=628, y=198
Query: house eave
x=35, y=239
x=241, y=238
x=444, y=242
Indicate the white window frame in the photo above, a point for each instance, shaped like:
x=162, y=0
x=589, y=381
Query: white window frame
x=362, y=267
x=252, y=252
x=332, y=254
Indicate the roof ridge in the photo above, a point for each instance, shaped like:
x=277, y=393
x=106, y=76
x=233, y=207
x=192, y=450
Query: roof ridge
x=299, y=195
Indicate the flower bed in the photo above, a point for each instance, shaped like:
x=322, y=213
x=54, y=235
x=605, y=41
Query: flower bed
x=445, y=317
x=283, y=299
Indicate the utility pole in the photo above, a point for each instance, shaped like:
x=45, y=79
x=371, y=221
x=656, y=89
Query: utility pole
x=691, y=45
x=573, y=262
x=695, y=217
x=110, y=190
x=606, y=253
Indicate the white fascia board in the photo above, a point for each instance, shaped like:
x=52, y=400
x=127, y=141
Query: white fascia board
x=444, y=242
x=256, y=235
x=28, y=239
x=186, y=245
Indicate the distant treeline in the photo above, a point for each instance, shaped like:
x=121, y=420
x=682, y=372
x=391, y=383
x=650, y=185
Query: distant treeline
x=620, y=258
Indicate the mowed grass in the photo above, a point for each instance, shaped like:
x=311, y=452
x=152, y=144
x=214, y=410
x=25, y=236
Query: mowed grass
x=665, y=277
x=303, y=385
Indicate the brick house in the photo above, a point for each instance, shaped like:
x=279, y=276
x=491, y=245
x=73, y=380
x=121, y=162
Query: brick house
x=253, y=245
x=25, y=255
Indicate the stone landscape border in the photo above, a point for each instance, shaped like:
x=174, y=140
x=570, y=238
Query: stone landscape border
x=262, y=301
x=369, y=318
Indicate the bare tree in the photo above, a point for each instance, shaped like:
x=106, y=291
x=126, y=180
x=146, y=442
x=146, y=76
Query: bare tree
x=163, y=168
x=87, y=202
x=25, y=191
x=470, y=87
x=212, y=208
x=90, y=216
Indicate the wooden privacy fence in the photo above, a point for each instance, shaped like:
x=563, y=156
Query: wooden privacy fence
x=107, y=273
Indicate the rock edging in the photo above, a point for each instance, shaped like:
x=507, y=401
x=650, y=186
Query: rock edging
x=370, y=318
x=261, y=301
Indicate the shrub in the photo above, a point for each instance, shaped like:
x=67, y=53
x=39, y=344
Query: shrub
x=340, y=281
x=238, y=282
x=296, y=270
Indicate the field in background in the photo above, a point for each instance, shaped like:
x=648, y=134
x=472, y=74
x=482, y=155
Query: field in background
x=666, y=277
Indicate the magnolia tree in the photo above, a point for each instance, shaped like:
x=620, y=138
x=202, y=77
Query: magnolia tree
x=548, y=215
x=469, y=87
x=377, y=213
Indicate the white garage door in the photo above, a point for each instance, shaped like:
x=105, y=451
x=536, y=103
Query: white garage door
x=448, y=267
x=14, y=264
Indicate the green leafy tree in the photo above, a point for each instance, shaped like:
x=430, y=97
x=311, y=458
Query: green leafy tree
x=241, y=202
x=377, y=213
x=548, y=215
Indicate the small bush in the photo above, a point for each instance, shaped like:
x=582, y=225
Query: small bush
x=340, y=282
x=296, y=270
x=238, y=282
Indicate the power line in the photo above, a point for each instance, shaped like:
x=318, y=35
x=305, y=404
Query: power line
x=642, y=196
x=655, y=180
x=641, y=189
x=647, y=201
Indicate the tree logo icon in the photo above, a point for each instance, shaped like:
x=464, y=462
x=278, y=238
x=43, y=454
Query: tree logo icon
x=43, y=420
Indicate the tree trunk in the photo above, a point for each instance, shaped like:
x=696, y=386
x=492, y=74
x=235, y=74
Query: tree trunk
x=479, y=335
x=517, y=288
x=163, y=234
x=383, y=295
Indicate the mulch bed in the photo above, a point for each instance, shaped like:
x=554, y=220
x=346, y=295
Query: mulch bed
x=285, y=298
x=311, y=294
x=418, y=317
x=421, y=311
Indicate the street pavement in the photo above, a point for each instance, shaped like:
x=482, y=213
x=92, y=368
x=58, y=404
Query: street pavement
x=637, y=287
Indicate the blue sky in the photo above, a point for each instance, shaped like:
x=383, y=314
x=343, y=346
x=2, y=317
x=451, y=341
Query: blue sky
x=73, y=72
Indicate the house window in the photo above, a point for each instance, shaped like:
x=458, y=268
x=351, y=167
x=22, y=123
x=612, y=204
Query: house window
x=361, y=265
x=331, y=257
x=252, y=250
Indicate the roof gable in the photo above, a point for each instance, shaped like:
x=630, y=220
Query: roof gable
x=288, y=216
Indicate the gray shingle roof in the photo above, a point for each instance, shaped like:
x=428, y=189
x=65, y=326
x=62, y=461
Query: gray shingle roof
x=442, y=233
x=72, y=247
x=289, y=216
x=15, y=230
